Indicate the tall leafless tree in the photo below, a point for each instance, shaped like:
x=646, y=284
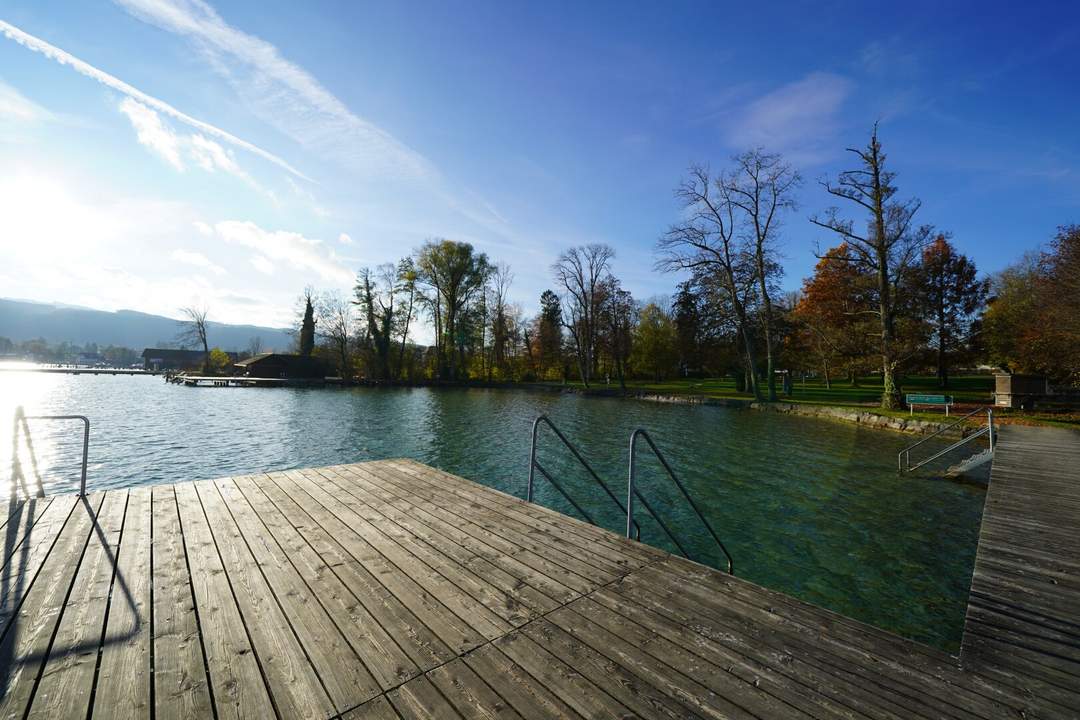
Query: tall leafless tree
x=193, y=332
x=889, y=248
x=337, y=327
x=499, y=281
x=763, y=187
x=406, y=279
x=708, y=241
x=580, y=271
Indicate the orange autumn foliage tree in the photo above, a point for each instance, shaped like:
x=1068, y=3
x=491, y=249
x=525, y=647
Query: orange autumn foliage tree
x=834, y=313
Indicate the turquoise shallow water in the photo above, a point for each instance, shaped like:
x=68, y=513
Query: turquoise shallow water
x=811, y=508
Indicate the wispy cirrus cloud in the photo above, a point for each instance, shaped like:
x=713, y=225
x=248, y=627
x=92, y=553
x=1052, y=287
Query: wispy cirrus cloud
x=283, y=93
x=64, y=58
x=798, y=119
x=152, y=132
x=15, y=106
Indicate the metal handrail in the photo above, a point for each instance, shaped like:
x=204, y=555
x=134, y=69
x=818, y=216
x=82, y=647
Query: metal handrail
x=535, y=464
x=86, y=439
x=632, y=492
x=903, y=458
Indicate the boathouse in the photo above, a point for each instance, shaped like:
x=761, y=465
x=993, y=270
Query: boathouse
x=157, y=359
x=282, y=366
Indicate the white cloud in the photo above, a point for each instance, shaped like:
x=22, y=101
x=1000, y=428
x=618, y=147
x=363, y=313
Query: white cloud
x=282, y=92
x=17, y=107
x=262, y=264
x=344, y=239
x=64, y=58
x=798, y=119
x=152, y=132
x=210, y=156
x=158, y=135
x=196, y=259
x=203, y=228
x=294, y=249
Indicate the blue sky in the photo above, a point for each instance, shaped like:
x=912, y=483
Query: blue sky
x=159, y=153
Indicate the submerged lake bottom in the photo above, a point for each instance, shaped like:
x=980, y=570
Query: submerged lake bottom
x=811, y=508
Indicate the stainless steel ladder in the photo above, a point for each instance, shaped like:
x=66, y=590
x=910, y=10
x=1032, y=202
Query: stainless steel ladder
x=632, y=492
x=534, y=464
x=633, y=529
x=903, y=458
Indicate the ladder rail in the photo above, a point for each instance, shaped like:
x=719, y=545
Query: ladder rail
x=534, y=464
x=903, y=458
x=21, y=418
x=632, y=492
x=963, y=441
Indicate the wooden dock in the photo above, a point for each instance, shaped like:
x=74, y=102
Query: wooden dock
x=393, y=590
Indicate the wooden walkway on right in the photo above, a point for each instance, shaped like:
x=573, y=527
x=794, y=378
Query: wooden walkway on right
x=1023, y=617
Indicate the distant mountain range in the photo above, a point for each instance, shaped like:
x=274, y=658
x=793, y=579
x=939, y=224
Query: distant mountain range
x=22, y=320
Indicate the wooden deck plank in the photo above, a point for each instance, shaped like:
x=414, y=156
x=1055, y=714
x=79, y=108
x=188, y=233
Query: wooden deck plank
x=1023, y=623
x=480, y=619
x=122, y=688
x=376, y=709
x=418, y=699
x=514, y=582
x=486, y=527
x=502, y=519
x=27, y=545
x=387, y=662
x=68, y=676
x=181, y=689
x=450, y=629
x=293, y=682
x=502, y=605
x=617, y=557
x=510, y=558
x=235, y=677
x=25, y=645
x=530, y=698
x=374, y=583
x=469, y=694
x=565, y=682
x=342, y=671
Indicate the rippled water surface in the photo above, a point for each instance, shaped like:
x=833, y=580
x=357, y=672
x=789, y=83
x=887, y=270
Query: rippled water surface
x=811, y=508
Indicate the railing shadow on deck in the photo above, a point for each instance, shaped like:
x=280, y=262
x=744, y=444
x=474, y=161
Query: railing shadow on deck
x=16, y=583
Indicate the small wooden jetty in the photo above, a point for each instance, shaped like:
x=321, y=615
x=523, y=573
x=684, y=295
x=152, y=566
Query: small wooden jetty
x=72, y=370
x=393, y=590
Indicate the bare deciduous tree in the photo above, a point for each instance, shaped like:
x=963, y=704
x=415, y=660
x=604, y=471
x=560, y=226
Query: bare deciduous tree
x=763, y=187
x=336, y=327
x=708, y=242
x=193, y=332
x=889, y=248
x=499, y=282
x=580, y=271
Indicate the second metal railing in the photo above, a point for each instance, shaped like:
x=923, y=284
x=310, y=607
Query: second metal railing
x=903, y=458
x=632, y=492
x=534, y=464
x=633, y=529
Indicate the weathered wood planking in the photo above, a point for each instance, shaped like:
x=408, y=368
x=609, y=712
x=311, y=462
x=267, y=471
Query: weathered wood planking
x=1023, y=618
x=391, y=590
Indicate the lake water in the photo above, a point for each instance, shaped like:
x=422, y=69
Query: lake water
x=812, y=508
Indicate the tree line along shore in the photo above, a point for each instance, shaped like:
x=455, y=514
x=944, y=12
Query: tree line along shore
x=892, y=305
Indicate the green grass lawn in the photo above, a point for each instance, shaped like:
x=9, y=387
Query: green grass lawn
x=966, y=390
